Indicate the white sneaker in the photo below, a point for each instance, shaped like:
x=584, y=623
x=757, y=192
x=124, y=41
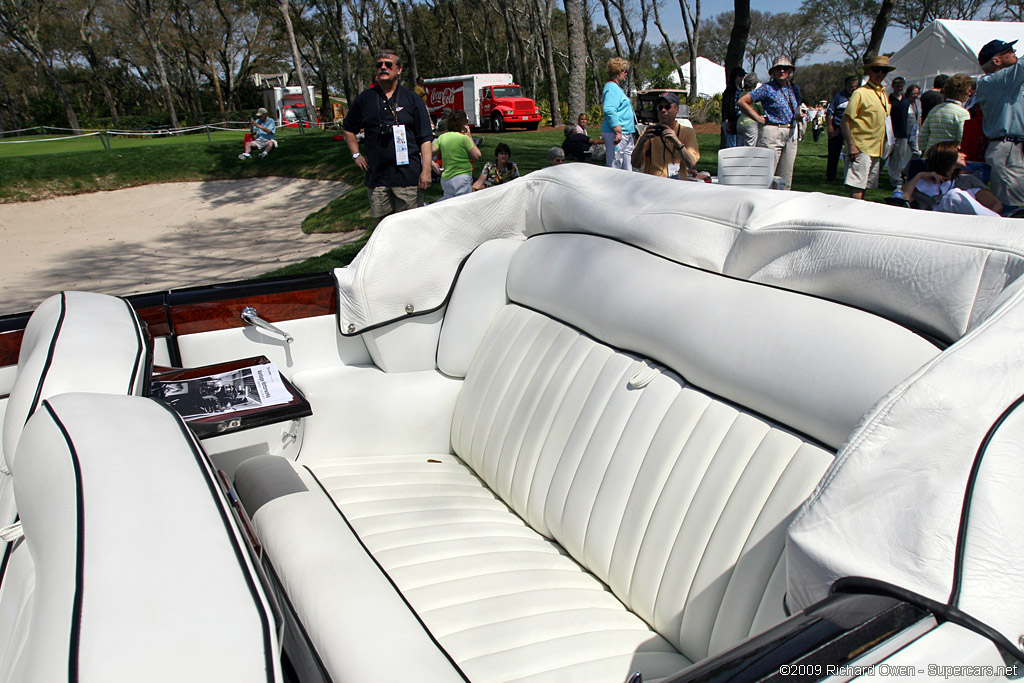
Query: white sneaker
x=263, y=154
x=244, y=155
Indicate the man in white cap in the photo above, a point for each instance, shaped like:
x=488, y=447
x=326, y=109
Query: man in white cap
x=865, y=128
x=780, y=98
x=262, y=138
x=1002, y=109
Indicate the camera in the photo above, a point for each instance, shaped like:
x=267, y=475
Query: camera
x=657, y=129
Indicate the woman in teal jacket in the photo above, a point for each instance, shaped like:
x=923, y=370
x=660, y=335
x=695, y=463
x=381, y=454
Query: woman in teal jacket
x=619, y=124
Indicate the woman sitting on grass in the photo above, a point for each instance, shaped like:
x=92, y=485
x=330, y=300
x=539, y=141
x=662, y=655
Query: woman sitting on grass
x=943, y=186
x=458, y=152
x=499, y=171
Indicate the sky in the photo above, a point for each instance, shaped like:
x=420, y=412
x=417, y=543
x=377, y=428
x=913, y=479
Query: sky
x=895, y=37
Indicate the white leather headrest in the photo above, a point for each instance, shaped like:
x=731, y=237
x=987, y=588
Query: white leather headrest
x=807, y=363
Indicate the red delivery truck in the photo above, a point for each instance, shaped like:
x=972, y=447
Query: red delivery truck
x=489, y=100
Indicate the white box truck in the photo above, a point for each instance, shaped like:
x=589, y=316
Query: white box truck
x=489, y=100
x=286, y=105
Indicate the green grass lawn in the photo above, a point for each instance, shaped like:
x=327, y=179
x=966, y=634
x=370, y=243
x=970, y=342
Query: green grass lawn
x=140, y=161
x=37, y=170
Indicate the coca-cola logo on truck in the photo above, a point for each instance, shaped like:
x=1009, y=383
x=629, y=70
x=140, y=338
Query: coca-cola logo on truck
x=442, y=96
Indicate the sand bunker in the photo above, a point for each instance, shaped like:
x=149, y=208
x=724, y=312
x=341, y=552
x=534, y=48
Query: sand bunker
x=158, y=237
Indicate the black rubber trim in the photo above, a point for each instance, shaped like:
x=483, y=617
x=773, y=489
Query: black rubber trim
x=240, y=553
x=831, y=633
x=451, y=293
x=293, y=617
x=7, y=555
x=940, y=344
x=965, y=511
x=384, y=573
x=142, y=350
x=76, y=609
x=49, y=357
x=729, y=402
x=865, y=586
x=12, y=322
x=416, y=314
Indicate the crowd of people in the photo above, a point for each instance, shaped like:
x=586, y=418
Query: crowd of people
x=939, y=147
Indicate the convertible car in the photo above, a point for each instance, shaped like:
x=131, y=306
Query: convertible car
x=587, y=426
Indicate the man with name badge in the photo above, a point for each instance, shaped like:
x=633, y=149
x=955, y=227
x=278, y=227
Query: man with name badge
x=396, y=139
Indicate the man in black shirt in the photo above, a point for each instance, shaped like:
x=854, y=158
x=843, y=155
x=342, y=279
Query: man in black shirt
x=396, y=139
x=576, y=145
x=933, y=97
x=899, y=109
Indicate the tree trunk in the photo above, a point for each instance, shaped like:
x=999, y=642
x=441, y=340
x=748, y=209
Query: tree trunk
x=611, y=27
x=595, y=68
x=691, y=22
x=878, y=29
x=297, y=59
x=577, y=59
x=165, y=84
x=668, y=44
x=737, y=47
x=216, y=86
x=738, y=37
x=405, y=37
x=544, y=28
x=513, y=43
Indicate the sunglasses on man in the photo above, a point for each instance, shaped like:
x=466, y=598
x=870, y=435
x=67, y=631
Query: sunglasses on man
x=665, y=106
x=385, y=64
x=879, y=70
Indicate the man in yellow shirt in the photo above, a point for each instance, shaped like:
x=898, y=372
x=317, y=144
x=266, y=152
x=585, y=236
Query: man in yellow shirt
x=666, y=148
x=864, y=128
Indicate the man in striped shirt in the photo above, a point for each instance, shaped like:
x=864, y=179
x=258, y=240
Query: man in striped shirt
x=946, y=121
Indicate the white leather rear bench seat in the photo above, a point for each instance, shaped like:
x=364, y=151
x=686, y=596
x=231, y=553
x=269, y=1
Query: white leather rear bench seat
x=131, y=567
x=74, y=341
x=625, y=455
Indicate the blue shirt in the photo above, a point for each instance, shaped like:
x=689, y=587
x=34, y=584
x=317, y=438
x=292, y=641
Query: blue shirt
x=617, y=109
x=837, y=107
x=266, y=123
x=781, y=103
x=1002, y=104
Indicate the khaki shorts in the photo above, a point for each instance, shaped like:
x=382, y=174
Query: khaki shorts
x=385, y=201
x=862, y=173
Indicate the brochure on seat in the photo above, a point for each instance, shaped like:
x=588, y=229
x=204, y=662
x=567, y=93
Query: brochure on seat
x=223, y=393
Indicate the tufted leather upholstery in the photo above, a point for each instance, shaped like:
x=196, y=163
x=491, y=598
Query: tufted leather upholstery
x=585, y=524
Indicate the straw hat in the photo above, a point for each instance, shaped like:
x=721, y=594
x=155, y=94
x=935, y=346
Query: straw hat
x=879, y=61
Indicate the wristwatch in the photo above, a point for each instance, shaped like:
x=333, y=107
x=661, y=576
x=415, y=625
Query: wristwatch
x=356, y=155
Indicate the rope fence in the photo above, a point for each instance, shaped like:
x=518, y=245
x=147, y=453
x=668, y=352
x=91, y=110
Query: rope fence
x=105, y=135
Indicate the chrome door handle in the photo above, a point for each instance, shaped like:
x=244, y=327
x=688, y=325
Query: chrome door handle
x=251, y=316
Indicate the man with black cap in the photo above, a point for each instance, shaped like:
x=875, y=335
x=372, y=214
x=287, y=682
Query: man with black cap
x=1002, y=108
x=666, y=148
x=780, y=98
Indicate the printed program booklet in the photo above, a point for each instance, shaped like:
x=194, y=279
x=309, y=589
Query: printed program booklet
x=255, y=386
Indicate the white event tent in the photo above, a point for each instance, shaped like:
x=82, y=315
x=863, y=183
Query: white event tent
x=710, y=76
x=949, y=46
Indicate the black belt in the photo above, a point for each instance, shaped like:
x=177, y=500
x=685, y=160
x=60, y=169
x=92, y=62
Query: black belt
x=1009, y=138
